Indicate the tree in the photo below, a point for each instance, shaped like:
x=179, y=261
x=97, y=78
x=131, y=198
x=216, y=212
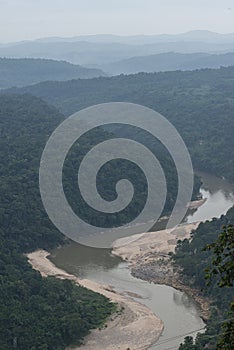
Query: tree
x=223, y=267
x=188, y=344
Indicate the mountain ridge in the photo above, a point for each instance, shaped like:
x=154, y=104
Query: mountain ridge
x=168, y=62
x=101, y=49
x=27, y=71
x=192, y=34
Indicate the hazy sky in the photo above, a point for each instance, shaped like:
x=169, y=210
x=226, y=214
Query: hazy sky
x=29, y=19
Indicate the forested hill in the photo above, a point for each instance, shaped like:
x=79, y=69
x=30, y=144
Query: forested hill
x=26, y=123
x=199, y=103
x=26, y=71
x=38, y=313
x=193, y=260
x=35, y=313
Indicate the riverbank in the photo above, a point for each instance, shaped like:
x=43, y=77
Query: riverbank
x=149, y=259
x=197, y=204
x=136, y=327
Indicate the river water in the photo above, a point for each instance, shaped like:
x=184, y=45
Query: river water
x=179, y=312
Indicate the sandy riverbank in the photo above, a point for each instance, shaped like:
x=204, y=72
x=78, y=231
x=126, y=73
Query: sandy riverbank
x=137, y=327
x=197, y=204
x=147, y=246
x=148, y=259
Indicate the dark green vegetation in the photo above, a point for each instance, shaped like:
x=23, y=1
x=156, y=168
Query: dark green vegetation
x=223, y=266
x=223, y=262
x=48, y=314
x=199, y=103
x=194, y=260
x=116, y=170
x=35, y=313
x=26, y=71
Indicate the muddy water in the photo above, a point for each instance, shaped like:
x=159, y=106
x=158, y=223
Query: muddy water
x=179, y=312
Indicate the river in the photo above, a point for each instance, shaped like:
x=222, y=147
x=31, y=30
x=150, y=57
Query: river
x=180, y=314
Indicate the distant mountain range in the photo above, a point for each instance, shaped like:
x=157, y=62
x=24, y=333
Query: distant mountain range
x=104, y=49
x=195, y=35
x=21, y=72
x=168, y=62
x=29, y=62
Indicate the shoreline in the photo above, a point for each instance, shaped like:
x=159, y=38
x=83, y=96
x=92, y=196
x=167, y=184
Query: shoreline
x=172, y=279
x=197, y=203
x=148, y=258
x=137, y=327
x=147, y=255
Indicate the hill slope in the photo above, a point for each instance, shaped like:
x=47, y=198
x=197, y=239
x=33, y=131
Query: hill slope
x=22, y=72
x=169, y=62
x=35, y=312
x=199, y=103
x=192, y=261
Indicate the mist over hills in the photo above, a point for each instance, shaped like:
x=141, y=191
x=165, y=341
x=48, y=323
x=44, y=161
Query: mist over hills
x=168, y=62
x=28, y=71
x=22, y=72
x=103, y=49
x=195, y=35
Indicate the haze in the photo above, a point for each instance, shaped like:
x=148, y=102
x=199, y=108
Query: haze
x=31, y=19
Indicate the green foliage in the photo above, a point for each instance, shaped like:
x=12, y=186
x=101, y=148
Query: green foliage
x=35, y=313
x=44, y=313
x=199, y=103
x=223, y=268
x=223, y=261
x=188, y=344
x=25, y=124
x=194, y=260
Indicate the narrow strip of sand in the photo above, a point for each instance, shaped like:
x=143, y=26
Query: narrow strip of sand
x=136, y=328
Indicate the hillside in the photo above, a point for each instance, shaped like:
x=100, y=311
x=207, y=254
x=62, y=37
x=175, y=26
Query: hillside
x=191, y=258
x=35, y=313
x=199, y=103
x=47, y=313
x=22, y=72
x=169, y=62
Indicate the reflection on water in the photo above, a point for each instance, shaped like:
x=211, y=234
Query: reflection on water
x=182, y=299
x=82, y=260
x=217, y=203
x=178, y=311
x=219, y=196
x=214, y=184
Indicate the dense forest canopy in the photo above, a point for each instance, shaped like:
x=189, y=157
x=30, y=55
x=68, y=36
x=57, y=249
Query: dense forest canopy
x=194, y=260
x=35, y=313
x=199, y=103
x=26, y=299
